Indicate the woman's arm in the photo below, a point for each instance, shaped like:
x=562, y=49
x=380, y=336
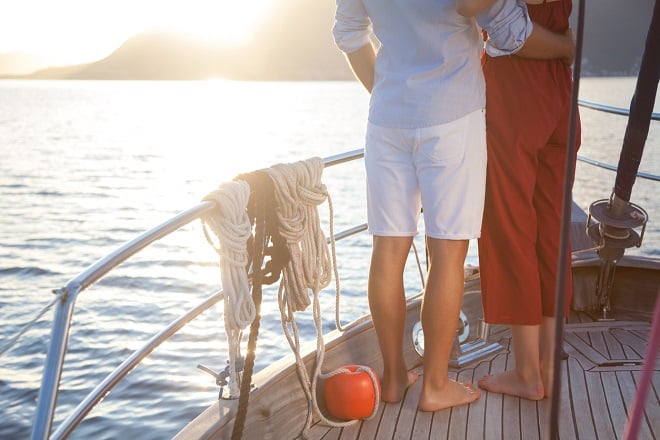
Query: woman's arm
x=546, y=45
x=470, y=8
x=511, y=31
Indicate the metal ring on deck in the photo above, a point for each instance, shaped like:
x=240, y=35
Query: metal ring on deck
x=596, y=234
x=615, y=229
x=633, y=217
x=462, y=333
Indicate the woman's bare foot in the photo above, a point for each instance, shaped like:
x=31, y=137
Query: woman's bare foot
x=510, y=382
x=451, y=394
x=394, y=390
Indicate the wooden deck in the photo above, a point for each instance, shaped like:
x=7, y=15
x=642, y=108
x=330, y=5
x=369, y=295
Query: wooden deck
x=598, y=386
x=599, y=378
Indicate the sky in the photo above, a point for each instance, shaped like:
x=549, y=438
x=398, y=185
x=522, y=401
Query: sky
x=77, y=31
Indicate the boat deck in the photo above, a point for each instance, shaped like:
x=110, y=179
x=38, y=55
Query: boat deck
x=598, y=386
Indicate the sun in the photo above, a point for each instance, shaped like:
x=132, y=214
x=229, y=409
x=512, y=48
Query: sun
x=222, y=21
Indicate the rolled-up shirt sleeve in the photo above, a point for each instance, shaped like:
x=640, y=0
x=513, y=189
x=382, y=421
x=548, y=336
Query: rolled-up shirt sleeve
x=352, y=26
x=508, y=25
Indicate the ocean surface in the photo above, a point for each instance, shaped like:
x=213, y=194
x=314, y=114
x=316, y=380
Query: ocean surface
x=86, y=166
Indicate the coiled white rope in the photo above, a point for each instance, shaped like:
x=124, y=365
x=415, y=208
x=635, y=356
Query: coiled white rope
x=298, y=192
x=231, y=224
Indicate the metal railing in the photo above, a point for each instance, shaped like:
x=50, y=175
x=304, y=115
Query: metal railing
x=67, y=296
x=611, y=167
x=621, y=111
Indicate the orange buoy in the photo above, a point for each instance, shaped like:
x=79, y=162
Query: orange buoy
x=351, y=392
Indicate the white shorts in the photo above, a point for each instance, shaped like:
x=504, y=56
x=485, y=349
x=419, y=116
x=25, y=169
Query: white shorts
x=441, y=169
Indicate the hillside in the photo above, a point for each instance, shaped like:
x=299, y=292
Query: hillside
x=18, y=63
x=279, y=51
x=296, y=44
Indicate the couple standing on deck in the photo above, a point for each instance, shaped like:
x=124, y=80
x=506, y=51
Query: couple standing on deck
x=432, y=117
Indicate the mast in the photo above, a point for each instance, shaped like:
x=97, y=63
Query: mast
x=641, y=108
x=619, y=217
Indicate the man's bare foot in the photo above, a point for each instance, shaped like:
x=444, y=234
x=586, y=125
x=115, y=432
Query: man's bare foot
x=393, y=391
x=451, y=394
x=510, y=382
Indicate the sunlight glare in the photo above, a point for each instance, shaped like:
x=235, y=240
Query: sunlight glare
x=222, y=21
x=76, y=31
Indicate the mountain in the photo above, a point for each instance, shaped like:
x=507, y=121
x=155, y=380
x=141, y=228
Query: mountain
x=17, y=63
x=148, y=56
x=295, y=43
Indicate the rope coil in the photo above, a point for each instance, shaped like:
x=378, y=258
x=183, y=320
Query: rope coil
x=231, y=225
x=300, y=252
x=298, y=192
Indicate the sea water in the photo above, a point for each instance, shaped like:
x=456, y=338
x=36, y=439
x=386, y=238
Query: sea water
x=88, y=165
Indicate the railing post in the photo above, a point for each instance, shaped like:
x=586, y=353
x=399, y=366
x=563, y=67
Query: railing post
x=50, y=381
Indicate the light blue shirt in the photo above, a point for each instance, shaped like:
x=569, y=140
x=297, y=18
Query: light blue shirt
x=428, y=69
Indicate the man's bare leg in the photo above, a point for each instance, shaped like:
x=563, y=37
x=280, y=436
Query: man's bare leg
x=525, y=379
x=440, y=311
x=387, y=303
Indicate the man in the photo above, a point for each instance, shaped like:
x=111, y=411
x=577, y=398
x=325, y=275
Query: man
x=426, y=147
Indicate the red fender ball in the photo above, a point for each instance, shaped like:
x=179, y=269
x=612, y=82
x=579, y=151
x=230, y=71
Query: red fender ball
x=351, y=395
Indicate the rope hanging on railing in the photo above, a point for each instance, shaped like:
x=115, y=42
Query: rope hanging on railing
x=299, y=251
x=298, y=192
x=230, y=223
x=260, y=211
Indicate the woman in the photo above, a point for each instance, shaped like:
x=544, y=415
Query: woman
x=527, y=120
